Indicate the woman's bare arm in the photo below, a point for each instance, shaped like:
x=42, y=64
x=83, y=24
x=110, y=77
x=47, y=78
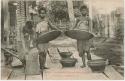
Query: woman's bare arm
x=52, y=26
x=76, y=23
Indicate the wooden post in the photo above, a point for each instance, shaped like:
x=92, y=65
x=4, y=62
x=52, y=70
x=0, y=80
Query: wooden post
x=111, y=24
x=2, y=22
x=6, y=19
x=90, y=15
x=106, y=26
x=70, y=10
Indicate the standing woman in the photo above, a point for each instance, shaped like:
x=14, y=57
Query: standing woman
x=42, y=27
x=82, y=23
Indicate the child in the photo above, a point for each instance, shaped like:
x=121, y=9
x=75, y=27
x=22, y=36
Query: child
x=82, y=23
x=42, y=27
x=28, y=33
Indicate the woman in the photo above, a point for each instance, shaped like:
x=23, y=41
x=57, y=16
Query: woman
x=82, y=23
x=28, y=33
x=42, y=27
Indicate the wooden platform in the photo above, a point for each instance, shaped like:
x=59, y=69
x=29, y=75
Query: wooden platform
x=56, y=72
x=64, y=74
x=72, y=74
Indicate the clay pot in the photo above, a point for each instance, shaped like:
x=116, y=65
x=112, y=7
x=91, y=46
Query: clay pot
x=97, y=65
x=68, y=62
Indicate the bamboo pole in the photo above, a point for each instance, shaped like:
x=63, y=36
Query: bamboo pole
x=70, y=11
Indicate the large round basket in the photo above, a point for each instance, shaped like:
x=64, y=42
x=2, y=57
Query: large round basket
x=79, y=34
x=48, y=36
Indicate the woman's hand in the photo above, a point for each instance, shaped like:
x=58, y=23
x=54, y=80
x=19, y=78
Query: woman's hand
x=38, y=29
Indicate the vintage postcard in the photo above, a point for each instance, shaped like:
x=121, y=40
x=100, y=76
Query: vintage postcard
x=62, y=39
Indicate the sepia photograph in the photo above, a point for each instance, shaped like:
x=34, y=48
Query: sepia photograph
x=62, y=40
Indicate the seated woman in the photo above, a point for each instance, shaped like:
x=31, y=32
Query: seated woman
x=28, y=33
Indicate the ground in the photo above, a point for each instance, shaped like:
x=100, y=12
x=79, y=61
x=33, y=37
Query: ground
x=57, y=72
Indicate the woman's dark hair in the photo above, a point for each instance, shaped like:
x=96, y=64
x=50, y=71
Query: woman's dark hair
x=83, y=7
x=41, y=8
x=29, y=24
x=28, y=27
